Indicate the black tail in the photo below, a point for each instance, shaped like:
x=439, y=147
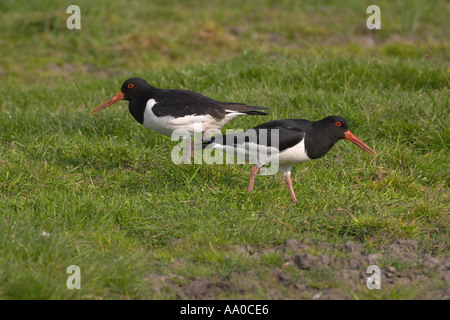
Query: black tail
x=256, y=113
x=205, y=143
x=243, y=108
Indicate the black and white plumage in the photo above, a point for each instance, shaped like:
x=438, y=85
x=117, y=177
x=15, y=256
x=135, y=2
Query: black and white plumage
x=296, y=140
x=165, y=111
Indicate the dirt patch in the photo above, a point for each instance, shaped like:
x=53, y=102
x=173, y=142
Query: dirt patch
x=326, y=272
x=201, y=288
x=308, y=261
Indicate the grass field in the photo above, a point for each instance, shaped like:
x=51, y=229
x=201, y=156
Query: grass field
x=101, y=192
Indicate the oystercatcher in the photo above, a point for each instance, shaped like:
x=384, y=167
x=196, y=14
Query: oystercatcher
x=164, y=111
x=296, y=140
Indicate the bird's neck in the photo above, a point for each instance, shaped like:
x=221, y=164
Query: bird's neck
x=137, y=105
x=319, y=141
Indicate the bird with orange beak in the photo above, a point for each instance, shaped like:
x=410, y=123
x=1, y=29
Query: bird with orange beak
x=286, y=142
x=165, y=111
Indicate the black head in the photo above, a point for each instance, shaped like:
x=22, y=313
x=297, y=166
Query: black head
x=335, y=126
x=132, y=89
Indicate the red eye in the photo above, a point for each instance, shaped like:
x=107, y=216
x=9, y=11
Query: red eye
x=130, y=85
x=338, y=123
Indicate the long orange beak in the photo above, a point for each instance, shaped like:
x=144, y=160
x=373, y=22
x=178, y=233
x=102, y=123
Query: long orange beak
x=350, y=136
x=111, y=101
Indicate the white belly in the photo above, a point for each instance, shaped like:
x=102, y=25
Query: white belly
x=194, y=124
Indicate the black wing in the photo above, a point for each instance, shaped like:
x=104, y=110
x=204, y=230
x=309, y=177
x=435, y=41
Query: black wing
x=180, y=103
x=281, y=134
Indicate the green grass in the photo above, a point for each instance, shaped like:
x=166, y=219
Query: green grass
x=113, y=203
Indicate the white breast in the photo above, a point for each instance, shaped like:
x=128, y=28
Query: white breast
x=294, y=154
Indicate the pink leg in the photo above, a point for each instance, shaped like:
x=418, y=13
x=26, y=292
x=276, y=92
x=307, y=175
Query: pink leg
x=287, y=179
x=207, y=134
x=192, y=149
x=253, y=174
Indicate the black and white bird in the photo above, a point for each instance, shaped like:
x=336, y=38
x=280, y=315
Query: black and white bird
x=165, y=111
x=286, y=142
